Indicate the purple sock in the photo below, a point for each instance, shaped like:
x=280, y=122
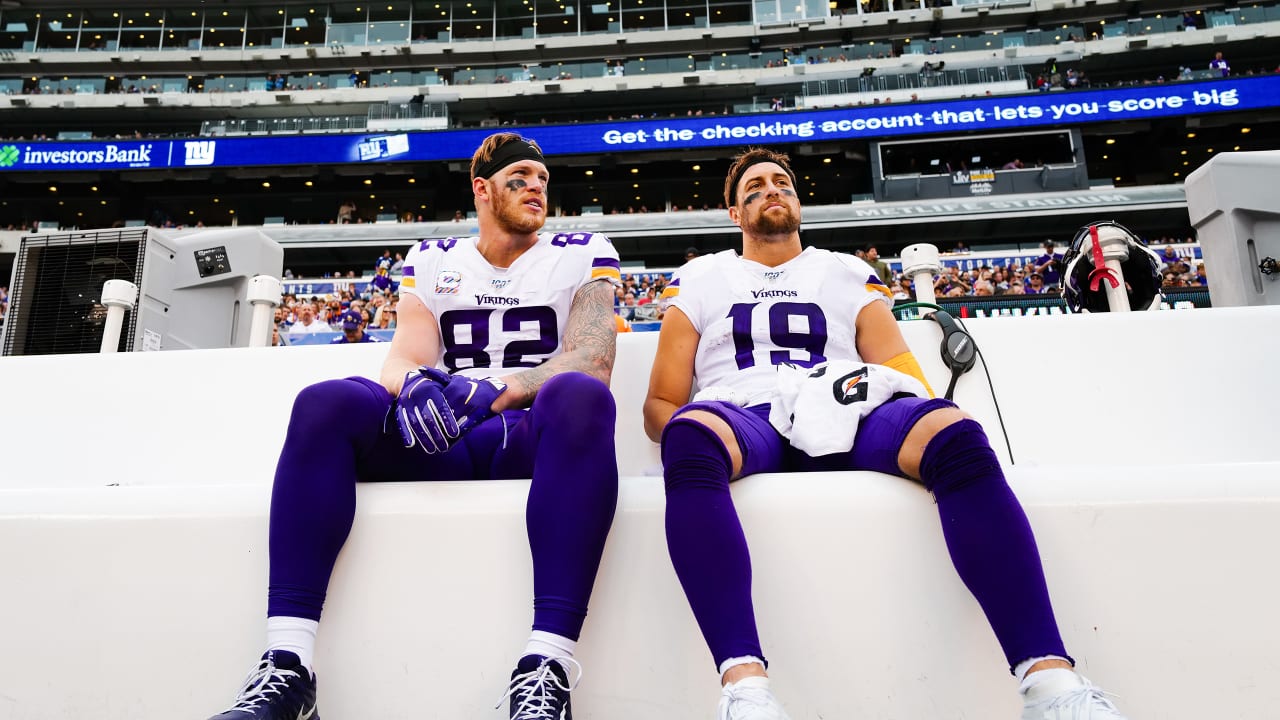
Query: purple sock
x=990, y=541
x=313, y=501
x=572, y=498
x=704, y=536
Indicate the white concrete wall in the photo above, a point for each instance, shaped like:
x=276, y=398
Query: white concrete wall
x=132, y=585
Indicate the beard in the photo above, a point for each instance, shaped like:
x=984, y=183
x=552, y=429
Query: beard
x=775, y=223
x=511, y=215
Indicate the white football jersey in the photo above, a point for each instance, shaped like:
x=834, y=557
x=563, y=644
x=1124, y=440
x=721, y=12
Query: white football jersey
x=496, y=320
x=751, y=317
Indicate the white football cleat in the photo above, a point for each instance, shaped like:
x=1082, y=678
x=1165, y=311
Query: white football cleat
x=750, y=699
x=1085, y=702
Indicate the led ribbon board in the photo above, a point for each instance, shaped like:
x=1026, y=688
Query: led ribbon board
x=1003, y=113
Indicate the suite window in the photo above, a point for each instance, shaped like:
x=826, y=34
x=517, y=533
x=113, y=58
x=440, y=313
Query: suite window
x=473, y=20
x=182, y=29
x=61, y=30
x=389, y=23
x=264, y=27
x=431, y=21
x=304, y=26
x=20, y=29
x=686, y=13
x=223, y=29
x=599, y=17
x=643, y=15
x=557, y=17
x=140, y=29
x=729, y=12
x=349, y=23
x=516, y=18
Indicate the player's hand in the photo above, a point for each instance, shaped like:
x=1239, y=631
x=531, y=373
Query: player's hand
x=423, y=414
x=469, y=399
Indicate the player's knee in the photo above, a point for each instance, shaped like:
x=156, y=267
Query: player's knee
x=958, y=455
x=337, y=403
x=693, y=455
x=922, y=432
x=936, y=420
x=580, y=404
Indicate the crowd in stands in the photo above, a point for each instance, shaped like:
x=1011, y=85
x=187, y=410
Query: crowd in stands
x=1049, y=265
x=1038, y=276
x=1179, y=272
x=375, y=304
x=1052, y=79
x=636, y=300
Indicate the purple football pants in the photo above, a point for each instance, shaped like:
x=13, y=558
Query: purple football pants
x=986, y=531
x=340, y=433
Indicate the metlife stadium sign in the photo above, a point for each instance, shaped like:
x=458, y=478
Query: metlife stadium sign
x=1005, y=113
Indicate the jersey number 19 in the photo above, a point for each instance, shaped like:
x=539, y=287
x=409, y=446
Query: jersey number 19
x=814, y=341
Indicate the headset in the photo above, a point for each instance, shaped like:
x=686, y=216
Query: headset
x=960, y=353
x=958, y=349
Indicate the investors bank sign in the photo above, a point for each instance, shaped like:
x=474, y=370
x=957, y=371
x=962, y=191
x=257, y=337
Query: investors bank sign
x=74, y=155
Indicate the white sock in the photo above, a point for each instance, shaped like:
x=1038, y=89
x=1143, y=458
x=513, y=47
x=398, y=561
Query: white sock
x=1044, y=684
x=295, y=634
x=1020, y=670
x=736, y=661
x=550, y=645
x=751, y=681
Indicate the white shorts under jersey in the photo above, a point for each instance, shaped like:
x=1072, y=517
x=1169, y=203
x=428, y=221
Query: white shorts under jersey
x=751, y=317
x=492, y=320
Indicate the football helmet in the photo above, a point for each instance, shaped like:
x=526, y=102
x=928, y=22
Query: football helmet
x=1085, y=273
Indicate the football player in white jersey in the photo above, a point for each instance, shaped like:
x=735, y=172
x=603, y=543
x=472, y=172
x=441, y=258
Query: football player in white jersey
x=499, y=368
x=731, y=318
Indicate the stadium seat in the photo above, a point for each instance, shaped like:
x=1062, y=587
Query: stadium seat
x=133, y=520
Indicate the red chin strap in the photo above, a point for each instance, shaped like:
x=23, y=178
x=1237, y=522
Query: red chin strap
x=1100, y=269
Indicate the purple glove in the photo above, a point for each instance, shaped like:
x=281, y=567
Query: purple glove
x=469, y=398
x=423, y=414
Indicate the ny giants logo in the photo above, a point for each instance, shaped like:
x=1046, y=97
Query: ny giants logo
x=200, y=152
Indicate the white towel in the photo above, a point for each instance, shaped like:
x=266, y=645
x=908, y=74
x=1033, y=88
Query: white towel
x=818, y=409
